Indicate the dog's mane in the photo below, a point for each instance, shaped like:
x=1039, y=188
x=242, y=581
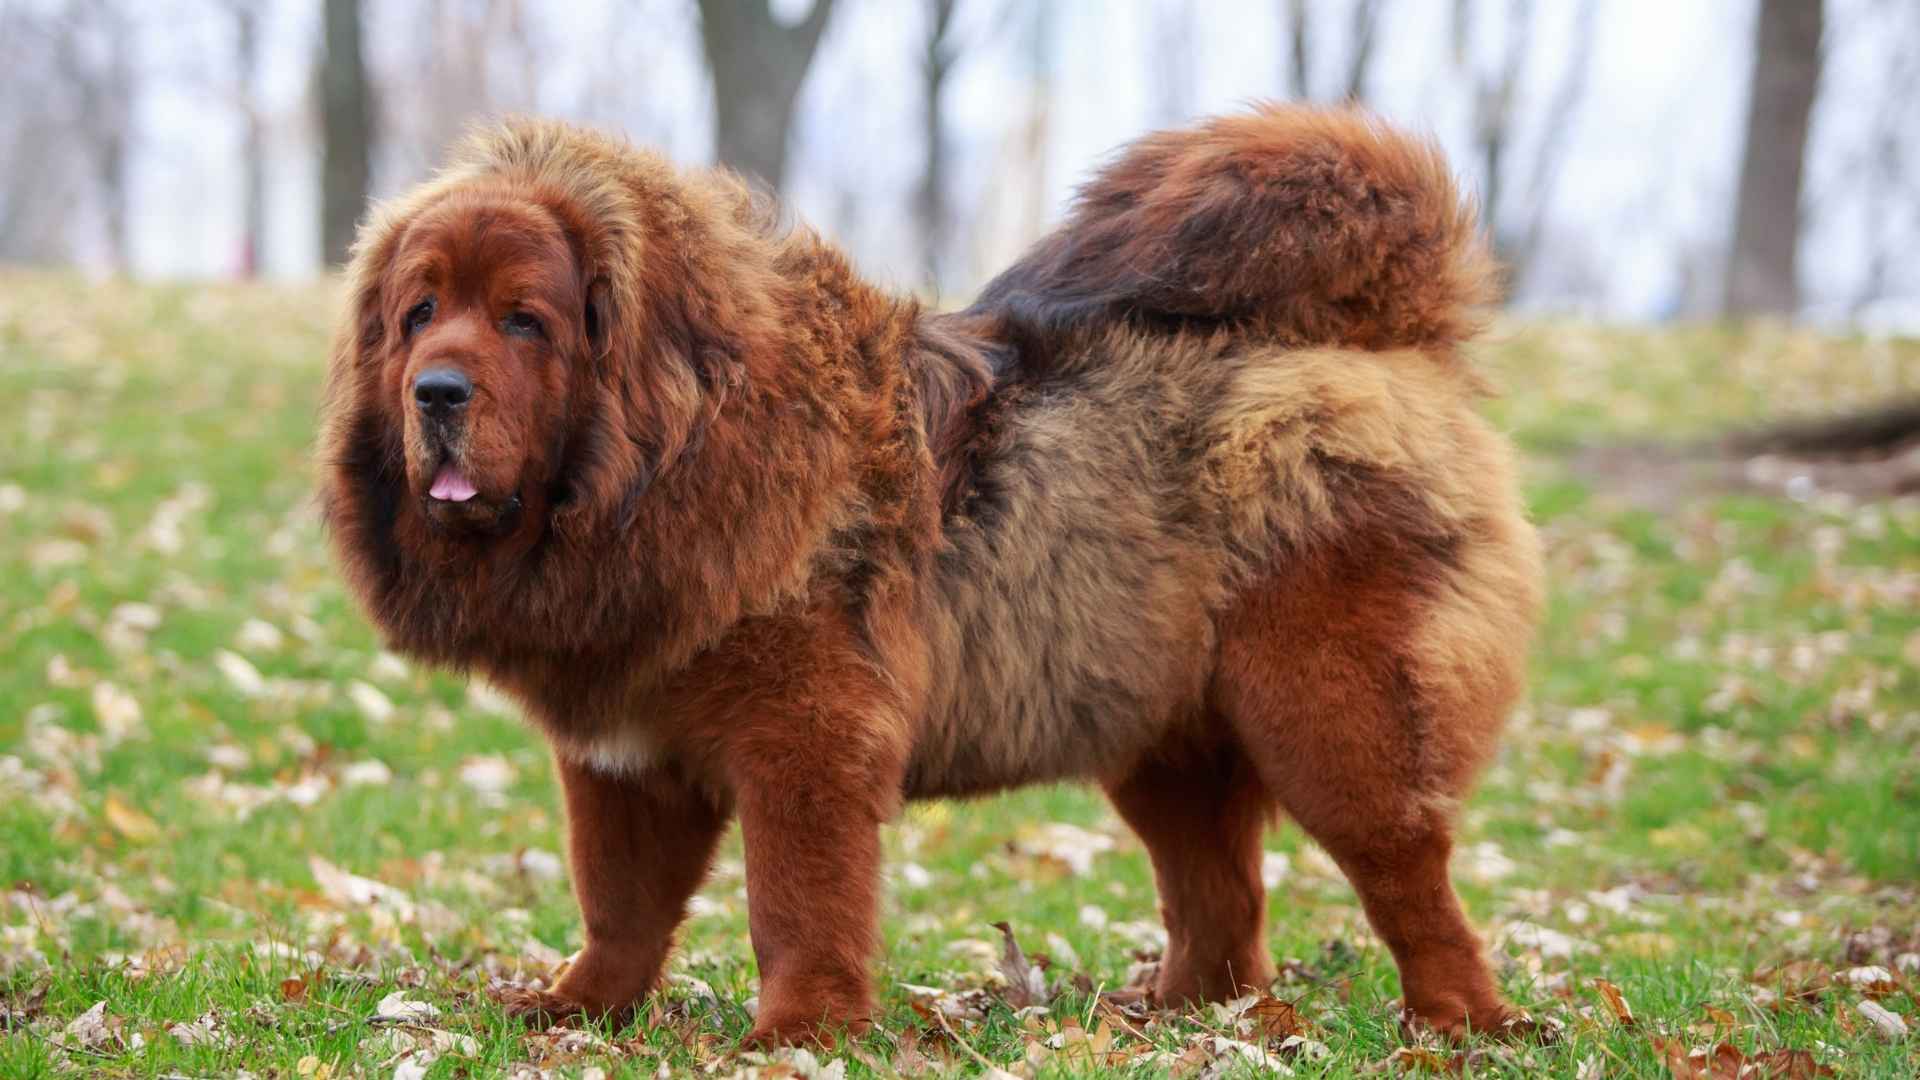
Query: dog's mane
x=728, y=330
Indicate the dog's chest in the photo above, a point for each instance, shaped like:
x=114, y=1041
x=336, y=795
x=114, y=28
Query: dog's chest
x=626, y=751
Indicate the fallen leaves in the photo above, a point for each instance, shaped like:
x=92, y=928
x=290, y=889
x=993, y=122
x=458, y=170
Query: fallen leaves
x=208, y=1029
x=129, y=822
x=116, y=711
x=1068, y=846
x=1724, y=1061
x=353, y=891
x=489, y=775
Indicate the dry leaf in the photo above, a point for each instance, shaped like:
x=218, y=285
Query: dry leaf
x=1616, y=1002
x=1721, y=1017
x=1869, y=979
x=129, y=822
x=397, y=1007
x=353, y=891
x=91, y=1028
x=372, y=704
x=1069, y=845
x=1419, y=1058
x=1276, y=1019
x=1723, y=1062
x=1887, y=1023
x=204, y=1031
x=1026, y=983
x=245, y=679
x=1786, y=1065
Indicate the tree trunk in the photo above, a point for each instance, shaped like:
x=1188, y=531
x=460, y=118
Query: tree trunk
x=930, y=204
x=253, y=155
x=757, y=65
x=1761, y=274
x=346, y=121
x=1299, y=86
x=104, y=85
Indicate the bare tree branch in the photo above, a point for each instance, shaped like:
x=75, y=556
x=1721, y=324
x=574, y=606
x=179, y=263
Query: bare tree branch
x=1366, y=32
x=1551, y=150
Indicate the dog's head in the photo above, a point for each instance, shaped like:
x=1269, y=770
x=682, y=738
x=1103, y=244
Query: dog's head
x=532, y=339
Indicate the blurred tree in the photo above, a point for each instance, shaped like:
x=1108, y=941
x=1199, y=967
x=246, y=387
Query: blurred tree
x=758, y=63
x=1011, y=210
x=1363, y=33
x=930, y=202
x=1299, y=82
x=41, y=167
x=481, y=59
x=346, y=122
x=93, y=52
x=1891, y=213
x=1761, y=270
x=253, y=152
x=1518, y=216
x=1176, y=64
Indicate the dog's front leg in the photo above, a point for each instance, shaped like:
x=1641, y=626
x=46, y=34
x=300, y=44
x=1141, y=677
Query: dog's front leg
x=639, y=845
x=812, y=787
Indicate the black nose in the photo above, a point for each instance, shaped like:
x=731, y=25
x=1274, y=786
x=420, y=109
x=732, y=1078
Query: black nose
x=441, y=392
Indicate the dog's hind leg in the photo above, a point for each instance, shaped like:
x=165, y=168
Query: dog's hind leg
x=1368, y=689
x=1201, y=815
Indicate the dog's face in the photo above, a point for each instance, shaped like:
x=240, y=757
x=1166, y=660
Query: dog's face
x=487, y=321
x=536, y=346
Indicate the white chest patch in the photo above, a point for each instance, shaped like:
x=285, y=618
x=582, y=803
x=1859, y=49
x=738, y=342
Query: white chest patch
x=624, y=753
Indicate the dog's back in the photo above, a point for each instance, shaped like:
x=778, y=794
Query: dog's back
x=1240, y=352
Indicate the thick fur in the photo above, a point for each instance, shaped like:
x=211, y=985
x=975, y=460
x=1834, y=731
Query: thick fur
x=1194, y=503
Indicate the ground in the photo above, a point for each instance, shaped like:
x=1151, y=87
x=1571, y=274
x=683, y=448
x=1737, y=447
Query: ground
x=236, y=835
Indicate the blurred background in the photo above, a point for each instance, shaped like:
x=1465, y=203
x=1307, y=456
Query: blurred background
x=1639, y=160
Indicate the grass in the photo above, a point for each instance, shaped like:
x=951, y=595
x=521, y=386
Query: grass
x=1711, y=799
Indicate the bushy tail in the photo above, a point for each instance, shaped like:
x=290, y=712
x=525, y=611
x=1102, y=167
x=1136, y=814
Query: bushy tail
x=1306, y=226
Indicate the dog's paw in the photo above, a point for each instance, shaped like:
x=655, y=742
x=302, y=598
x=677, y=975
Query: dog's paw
x=770, y=1037
x=539, y=1008
x=772, y=1033
x=1503, y=1022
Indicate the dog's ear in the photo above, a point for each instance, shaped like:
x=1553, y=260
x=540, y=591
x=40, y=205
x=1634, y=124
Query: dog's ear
x=597, y=317
x=636, y=407
x=360, y=485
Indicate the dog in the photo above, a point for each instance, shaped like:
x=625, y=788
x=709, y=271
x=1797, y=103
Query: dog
x=1193, y=502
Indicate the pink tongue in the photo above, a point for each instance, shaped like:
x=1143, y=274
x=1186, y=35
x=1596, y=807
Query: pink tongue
x=451, y=485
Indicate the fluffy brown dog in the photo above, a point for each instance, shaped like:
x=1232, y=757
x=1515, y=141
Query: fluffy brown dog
x=1193, y=502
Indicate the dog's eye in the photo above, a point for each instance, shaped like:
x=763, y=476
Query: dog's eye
x=419, y=315
x=523, y=324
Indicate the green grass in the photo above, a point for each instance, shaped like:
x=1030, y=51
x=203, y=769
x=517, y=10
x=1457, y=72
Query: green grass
x=1717, y=773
